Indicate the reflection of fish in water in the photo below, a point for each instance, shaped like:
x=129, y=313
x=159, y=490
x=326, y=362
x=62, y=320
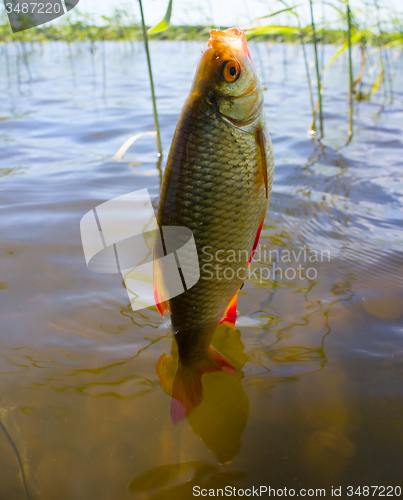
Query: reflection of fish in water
x=222, y=416
x=217, y=183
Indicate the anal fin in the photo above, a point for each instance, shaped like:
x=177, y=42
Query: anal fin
x=161, y=306
x=230, y=313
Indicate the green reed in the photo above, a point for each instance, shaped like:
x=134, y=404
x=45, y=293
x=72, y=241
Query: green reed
x=319, y=83
x=386, y=66
x=355, y=33
x=145, y=37
x=362, y=29
x=350, y=74
x=312, y=128
x=123, y=26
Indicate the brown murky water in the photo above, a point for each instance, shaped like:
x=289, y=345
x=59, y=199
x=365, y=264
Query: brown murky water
x=320, y=343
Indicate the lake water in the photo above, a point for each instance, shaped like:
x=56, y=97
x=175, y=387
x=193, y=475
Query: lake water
x=82, y=411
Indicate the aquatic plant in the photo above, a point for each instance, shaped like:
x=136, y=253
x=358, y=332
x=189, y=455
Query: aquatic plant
x=156, y=122
x=164, y=24
x=318, y=76
x=350, y=73
x=122, y=25
x=358, y=33
x=368, y=31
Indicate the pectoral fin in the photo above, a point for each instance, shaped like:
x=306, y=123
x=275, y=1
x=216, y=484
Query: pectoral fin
x=259, y=230
x=162, y=305
x=261, y=140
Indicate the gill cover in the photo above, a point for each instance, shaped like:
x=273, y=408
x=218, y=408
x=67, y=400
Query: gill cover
x=227, y=77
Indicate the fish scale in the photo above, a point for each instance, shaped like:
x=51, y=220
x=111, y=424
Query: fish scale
x=217, y=183
x=214, y=187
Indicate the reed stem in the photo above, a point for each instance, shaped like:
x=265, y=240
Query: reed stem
x=156, y=122
x=387, y=65
x=350, y=73
x=312, y=128
x=5, y=47
x=25, y=58
x=315, y=42
x=322, y=45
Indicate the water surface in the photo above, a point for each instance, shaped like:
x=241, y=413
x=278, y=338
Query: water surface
x=82, y=411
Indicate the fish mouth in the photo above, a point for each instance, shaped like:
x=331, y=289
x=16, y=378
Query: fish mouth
x=234, y=37
x=232, y=32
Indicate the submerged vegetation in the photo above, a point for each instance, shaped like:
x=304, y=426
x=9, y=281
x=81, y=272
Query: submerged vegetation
x=374, y=31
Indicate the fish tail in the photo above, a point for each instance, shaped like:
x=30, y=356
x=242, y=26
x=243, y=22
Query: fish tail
x=187, y=388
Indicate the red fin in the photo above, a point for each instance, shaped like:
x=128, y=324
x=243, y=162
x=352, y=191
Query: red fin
x=165, y=368
x=255, y=242
x=187, y=389
x=230, y=313
x=261, y=140
x=162, y=306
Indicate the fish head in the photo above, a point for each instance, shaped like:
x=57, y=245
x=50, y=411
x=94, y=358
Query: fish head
x=227, y=78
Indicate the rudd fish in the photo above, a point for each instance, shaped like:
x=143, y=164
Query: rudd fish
x=217, y=183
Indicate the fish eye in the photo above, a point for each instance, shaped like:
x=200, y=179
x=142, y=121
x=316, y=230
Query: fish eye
x=231, y=71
